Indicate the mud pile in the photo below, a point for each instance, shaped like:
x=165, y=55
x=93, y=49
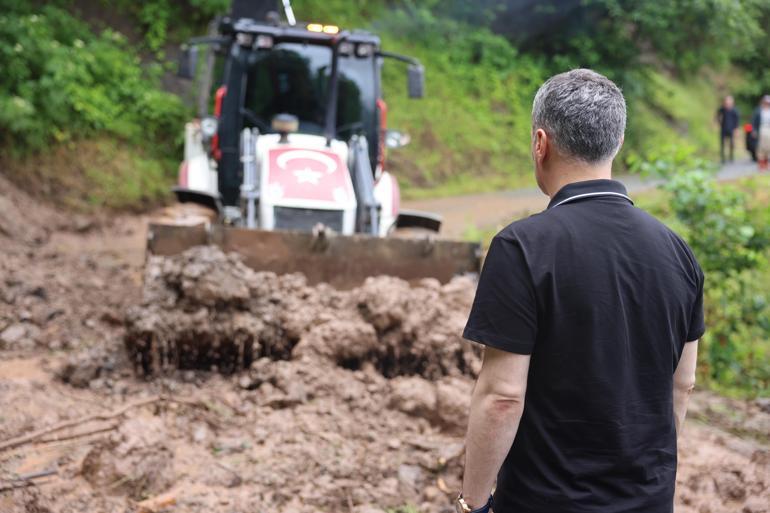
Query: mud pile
x=207, y=310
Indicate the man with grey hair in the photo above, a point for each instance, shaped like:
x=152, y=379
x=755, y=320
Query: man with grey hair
x=590, y=313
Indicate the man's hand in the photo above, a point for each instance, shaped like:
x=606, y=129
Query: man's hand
x=496, y=408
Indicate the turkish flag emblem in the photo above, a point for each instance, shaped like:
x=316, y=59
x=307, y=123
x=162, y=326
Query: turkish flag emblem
x=305, y=175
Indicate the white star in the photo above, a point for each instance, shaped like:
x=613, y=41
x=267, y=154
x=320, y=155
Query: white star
x=307, y=175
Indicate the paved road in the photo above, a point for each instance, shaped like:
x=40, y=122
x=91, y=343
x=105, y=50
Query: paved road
x=492, y=209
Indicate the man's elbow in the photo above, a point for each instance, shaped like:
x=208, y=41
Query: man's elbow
x=684, y=384
x=501, y=406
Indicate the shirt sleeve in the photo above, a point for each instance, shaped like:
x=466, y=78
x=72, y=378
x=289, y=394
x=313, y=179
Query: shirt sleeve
x=697, y=325
x=504, y=311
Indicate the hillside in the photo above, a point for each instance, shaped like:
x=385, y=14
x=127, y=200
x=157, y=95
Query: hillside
x=118, y=133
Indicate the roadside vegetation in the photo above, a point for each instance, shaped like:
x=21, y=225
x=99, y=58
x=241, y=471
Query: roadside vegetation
x=67, y=81
x=728, y=228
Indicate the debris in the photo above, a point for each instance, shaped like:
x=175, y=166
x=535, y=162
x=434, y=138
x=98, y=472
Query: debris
x=35, y=435
x=157, y=503
x=25, y=480
x=205, y=309
x=13, y=334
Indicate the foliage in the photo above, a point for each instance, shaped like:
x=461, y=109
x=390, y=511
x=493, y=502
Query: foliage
x=754, y=61
x=729, y=235
x=621, y=34
x=156, y=17
x=472, y=128
x=60, y=81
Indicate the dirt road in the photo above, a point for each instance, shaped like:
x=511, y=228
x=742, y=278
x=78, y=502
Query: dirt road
x=353, y=400
x=491, y=210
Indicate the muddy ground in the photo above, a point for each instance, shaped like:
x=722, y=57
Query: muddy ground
x=349, y=401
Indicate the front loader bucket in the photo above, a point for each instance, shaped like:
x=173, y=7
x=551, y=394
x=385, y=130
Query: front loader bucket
x=342, y=261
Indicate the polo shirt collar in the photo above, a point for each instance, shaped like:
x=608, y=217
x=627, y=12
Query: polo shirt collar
x=588, y=189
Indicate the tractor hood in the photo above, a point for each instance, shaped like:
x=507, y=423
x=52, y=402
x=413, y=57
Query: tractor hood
x=303, y=179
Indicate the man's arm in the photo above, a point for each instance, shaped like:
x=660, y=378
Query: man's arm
x=684, y=382
x=496, y=408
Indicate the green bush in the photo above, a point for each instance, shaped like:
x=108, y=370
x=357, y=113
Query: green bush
x=729, y=235
x=157, y=17
x=60, y=81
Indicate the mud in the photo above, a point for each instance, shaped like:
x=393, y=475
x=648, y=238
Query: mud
x=352, y=401
x=207, y=310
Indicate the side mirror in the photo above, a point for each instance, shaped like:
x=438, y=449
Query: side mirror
x=395, y=139
x=188, y=61
x=415, y=75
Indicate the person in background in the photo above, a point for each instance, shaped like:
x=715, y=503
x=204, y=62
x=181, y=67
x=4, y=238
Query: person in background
x=729, y=119
x=751, y=143
x=760, y=123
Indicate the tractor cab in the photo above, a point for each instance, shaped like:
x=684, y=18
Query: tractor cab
x=311, y=91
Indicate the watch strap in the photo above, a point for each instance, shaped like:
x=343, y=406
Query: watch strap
x=462, y=506
x=485, y=508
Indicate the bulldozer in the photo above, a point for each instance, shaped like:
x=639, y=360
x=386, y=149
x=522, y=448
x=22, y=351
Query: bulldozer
x=286, y=162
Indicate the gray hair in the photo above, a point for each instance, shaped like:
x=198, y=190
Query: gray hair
x=583, y=112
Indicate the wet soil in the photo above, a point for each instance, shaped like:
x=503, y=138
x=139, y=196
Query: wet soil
x=311, y=399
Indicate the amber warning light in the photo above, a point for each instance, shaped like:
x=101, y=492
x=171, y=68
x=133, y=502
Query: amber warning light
x=326, y=29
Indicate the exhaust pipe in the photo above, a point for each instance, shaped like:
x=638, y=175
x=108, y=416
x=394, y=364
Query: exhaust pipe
x=250, y=185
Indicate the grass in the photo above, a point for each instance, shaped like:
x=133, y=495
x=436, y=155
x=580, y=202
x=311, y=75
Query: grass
x=89, y=175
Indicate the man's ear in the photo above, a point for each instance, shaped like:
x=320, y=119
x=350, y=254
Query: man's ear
x=541, y=145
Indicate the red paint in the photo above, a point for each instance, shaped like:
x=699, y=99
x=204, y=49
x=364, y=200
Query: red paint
x=183, y=171
x=219, y=97
x=396, y=196
x=382, y=108
x=301, y=174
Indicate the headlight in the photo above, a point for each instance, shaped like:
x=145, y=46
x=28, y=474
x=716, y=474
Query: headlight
x=209, y=126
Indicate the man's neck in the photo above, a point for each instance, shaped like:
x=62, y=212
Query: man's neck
x=567, y=173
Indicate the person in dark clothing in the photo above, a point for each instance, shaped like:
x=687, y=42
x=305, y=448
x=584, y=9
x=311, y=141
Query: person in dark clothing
x=751, y=142
x=590, y=312
x=728, y=119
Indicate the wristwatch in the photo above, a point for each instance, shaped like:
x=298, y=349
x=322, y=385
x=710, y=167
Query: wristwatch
x=462, y=507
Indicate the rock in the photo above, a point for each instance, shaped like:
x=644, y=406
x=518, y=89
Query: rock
x=394, y=443
x=445, y=403
x=226, y=445
x=409, y=475
x=756, y=505
x=136, y=462
x=81, y=368
x=729, y=485
x=12, y=334
x=339, y=341
x=82, y=224
x=414, y=396
x=138, y=474
x=453, y=399
x=431, y=493
x=220, y=475
x=200, y=433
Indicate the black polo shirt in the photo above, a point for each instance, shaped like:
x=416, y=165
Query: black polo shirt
x=604, y=297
